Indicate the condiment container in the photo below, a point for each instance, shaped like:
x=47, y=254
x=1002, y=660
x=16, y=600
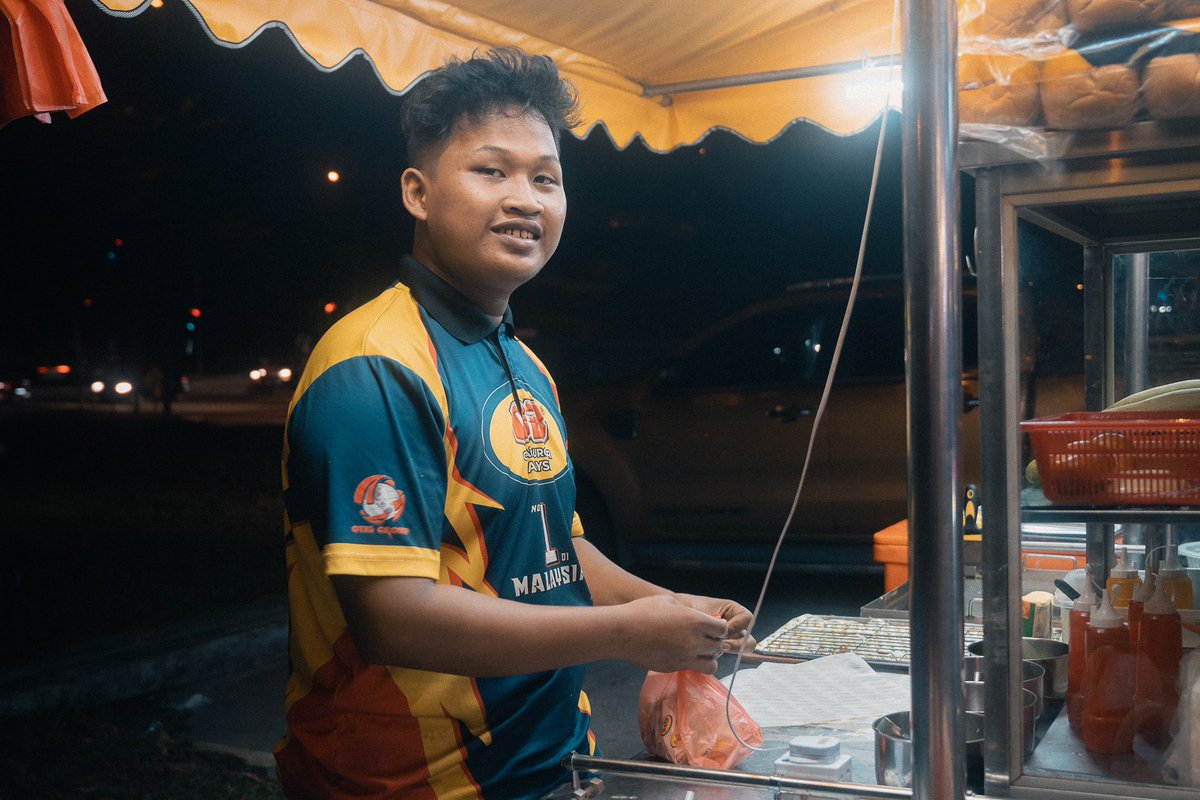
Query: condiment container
x=1122, y=581
x=1109, y=673
x=1160, y=649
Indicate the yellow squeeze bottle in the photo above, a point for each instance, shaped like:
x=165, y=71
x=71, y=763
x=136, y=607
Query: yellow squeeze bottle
x=1175, y=580
x=1122, y=581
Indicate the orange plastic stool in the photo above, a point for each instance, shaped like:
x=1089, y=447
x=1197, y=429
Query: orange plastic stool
x=891, y=550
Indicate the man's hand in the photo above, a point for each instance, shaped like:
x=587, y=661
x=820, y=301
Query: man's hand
x=736, y=615
x=667, y=635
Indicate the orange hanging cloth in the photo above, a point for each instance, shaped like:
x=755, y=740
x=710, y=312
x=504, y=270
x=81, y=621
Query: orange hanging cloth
x=44, y=66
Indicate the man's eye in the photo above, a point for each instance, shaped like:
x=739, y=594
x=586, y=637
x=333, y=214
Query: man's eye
x=490, y=171
x=546, y=179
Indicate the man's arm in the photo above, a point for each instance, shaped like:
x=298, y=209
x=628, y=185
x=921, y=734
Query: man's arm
x=610, y=584
x=420, y=624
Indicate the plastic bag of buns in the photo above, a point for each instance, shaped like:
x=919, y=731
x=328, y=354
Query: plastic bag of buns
x=1171, y=77
x=1011, y=25
x=1094, y=16
x=998, y=89
x=1181, y=9
x=1108, y=80
x=1089, y=16
x=1030, y=65
x=1094, y=85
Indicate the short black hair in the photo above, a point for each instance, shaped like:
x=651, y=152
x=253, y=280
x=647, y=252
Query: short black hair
x=496, y=80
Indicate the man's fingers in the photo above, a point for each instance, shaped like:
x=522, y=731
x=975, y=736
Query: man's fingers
x=734, y=645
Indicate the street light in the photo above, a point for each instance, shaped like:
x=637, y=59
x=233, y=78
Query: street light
x=333, y=176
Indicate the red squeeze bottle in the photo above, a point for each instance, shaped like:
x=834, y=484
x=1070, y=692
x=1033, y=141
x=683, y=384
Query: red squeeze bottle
x=1156, y=692
x=1108, y=721
x=1081, y=612
x=1141, y=594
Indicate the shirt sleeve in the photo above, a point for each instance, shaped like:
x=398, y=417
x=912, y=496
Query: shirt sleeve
x=366, y=467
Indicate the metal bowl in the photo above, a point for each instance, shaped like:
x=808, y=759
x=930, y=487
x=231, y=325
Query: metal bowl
x=893, y=747
x=1032, y=676
x=1049, y=654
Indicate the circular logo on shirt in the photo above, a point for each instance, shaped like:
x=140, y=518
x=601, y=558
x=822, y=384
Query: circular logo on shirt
x=379, y=499
x=522, y=437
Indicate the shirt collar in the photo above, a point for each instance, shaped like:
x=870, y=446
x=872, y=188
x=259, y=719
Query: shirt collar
x=464, y=320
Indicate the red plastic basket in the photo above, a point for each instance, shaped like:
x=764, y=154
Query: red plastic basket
x=1118, y=458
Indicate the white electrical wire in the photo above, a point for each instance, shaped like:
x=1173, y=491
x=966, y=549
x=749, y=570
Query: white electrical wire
x=833, y=364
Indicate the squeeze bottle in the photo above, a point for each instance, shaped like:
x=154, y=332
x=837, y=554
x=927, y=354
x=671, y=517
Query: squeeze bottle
x=1176, y=580
x=1156, y=692
x=1140, y=595
x=1108, y=721
x=1081, y=612
x=1122, y=581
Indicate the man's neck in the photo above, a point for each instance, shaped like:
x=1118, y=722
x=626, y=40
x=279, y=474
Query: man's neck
x=494, y=307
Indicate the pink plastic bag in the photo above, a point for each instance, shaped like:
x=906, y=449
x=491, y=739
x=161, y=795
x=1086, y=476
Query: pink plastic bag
x=682, y=719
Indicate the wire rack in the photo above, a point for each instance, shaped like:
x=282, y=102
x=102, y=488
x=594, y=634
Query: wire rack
x=881, y=642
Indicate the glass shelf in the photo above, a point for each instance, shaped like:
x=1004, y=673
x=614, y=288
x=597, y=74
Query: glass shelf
x=1036, y=508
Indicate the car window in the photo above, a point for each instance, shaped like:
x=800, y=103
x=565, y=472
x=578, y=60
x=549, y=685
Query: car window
x=793, y=345
x=874, y=347
x=781, y=346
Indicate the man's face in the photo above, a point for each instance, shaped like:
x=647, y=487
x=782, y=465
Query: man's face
x=493, y=206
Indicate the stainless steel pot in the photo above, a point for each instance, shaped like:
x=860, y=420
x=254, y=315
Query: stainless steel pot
x=893, y=747
x=1049, y=654
x=1032, y=676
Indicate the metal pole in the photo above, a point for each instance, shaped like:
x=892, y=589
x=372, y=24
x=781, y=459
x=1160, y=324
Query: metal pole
x=1137, y=323
x=934, y=397
x=999, y=391
x=757, y=78
x=1098, y=384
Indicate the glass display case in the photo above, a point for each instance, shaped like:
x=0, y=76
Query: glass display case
x=1088, y=273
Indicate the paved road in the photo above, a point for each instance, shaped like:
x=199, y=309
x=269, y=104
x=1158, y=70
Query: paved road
x=217, y=399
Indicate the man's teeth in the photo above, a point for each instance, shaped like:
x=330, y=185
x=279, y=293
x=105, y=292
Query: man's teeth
x=518, y=233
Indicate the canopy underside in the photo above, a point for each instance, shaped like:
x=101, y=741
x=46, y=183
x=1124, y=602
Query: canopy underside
x=620, y=54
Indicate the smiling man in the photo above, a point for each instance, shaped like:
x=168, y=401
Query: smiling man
x=443, y=595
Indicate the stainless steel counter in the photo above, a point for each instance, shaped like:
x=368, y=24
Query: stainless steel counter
x=753, y=780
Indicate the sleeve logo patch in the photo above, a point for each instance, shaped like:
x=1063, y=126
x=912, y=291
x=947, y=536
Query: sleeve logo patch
x=379, y=502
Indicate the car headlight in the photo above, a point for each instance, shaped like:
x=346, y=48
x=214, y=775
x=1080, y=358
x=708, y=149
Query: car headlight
x=285, y=374
x=257, y=374
x=123, y=387
x=97, y=387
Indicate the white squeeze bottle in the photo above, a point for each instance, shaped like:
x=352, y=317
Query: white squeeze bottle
x=1175, y=580
x=1122, y=581
x=1141, y=594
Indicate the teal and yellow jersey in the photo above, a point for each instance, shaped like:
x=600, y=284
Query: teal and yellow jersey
x=423, y=440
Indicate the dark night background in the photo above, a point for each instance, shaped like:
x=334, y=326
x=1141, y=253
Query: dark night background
x=208, y=164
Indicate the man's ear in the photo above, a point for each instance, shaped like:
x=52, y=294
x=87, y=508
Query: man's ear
x=413, y=189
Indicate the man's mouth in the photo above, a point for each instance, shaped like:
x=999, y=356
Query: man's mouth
x=519, y=233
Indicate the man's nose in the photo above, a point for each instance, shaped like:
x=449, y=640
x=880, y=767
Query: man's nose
x=522, y=199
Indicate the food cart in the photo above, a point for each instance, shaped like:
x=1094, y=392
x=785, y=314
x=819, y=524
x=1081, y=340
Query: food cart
x=762, y=78
x=1121, y=196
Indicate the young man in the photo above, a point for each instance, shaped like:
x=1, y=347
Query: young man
x=443, y=596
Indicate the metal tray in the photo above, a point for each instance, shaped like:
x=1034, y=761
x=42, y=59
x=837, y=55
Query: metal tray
x=880, y=642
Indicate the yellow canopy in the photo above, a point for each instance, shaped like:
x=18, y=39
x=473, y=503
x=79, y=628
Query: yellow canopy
x=643, y=67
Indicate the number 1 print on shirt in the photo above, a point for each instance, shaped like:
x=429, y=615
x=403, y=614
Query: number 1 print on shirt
x=552, y=556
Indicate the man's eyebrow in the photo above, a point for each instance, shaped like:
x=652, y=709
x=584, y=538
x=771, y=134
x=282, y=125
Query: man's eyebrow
x=504, y=151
